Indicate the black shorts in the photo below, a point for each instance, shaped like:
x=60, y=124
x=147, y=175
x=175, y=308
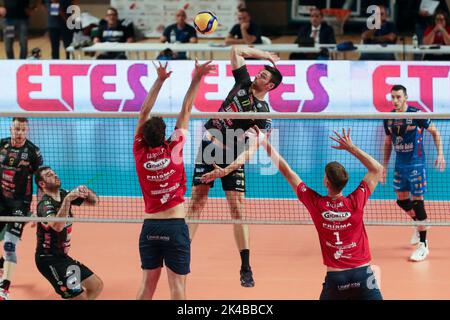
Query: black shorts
x=235, y=181
x=353, y=284
x=64, y=274
x=14, y=208
x=165, y=240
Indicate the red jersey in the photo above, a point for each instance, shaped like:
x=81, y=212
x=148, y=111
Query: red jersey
x=161, y=172
x=339, y=224
x=438, y=37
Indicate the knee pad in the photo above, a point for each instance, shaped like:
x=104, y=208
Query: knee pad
x=406, y=205
x=419, y=209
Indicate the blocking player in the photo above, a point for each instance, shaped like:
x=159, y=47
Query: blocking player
x=410, y=181
x=339, y=221
x=19, y=159
x=70, y=278
x=159, y=164
x=223, y=142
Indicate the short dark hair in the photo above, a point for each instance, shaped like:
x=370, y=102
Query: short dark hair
x=399, y=87
x=316, y=9
x=113, y=9
x=276, y=78
x=241, y=10
x=20, y=119
x=38, y=174
x=154, y=132
x=440, y=12
x=336, y=175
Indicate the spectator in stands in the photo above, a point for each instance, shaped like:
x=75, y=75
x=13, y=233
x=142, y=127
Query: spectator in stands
x=245, y=32
x=424, y=18
x=58, y=29
x=439, y=34
x=316, y=32
x=179, y=32
x=386, y=34
x=16, y=13
x=113, y=29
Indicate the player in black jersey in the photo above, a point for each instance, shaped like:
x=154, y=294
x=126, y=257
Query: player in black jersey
x=70, y=278
x=19, y=159
x=224, y=141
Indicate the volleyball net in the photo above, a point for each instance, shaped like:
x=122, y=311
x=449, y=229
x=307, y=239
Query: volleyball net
x=96, y=150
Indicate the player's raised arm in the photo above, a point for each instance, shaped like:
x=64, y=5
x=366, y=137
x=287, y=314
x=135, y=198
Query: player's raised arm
x=282, y=165
x=245, y=156
x=152, y=95
x=440, y=160
x=200, y=71
x=239, y=53
x=89, y=196
x=375, y=168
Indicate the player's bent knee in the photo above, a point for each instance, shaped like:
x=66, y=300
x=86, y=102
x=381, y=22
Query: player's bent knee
x=419, y=209
x=406, y=205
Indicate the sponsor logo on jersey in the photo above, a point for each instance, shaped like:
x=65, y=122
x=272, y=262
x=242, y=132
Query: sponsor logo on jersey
x=335, y=227
x=24, y=156
x=241, y=93
x=336, y=216
x=303, y=189
x=164, y=185
x=157, y=165
x=165, y=198
x=171, y=189
x=155, y=154
x=259, y=106
x=161, y=177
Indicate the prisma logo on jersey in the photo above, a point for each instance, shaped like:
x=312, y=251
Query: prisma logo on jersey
x=336, y=216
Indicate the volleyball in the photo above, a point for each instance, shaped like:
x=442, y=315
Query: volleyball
x=205, y=22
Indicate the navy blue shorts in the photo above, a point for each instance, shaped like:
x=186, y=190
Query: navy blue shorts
x=412, y=179
x=165, y=241
x=353, y=284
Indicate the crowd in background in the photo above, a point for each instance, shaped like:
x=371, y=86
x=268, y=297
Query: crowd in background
x=430, y=29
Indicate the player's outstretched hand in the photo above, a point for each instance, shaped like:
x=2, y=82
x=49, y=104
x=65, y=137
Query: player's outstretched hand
x=255, y=132
x=203, y=69
x=79, y=192
x=161, y=70
x=344, y=141
x=272, y=57
x=218, y=172
x=439, y=163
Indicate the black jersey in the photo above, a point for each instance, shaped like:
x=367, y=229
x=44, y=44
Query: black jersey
x=50, y=241
x=240, y=99
x=17, y=166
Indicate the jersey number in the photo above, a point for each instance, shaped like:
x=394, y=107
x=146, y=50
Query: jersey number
x=338, y=239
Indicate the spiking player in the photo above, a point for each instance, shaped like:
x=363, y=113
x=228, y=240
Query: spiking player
x=221, y=134
x=410, y=181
